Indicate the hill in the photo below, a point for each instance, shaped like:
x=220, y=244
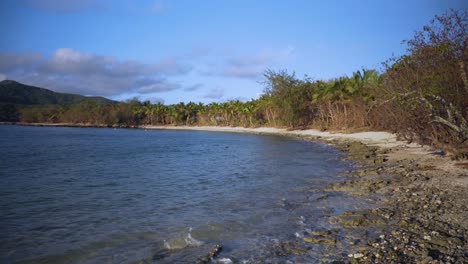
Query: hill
x=12, y=92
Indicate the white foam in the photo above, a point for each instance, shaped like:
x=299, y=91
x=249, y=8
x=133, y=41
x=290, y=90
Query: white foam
x=224, y=261
x=192, y=241
x=275, y=241
x=167, y=245
x=182, y=242
x=301, y=220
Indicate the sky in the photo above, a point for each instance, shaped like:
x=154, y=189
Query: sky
x=206, y=51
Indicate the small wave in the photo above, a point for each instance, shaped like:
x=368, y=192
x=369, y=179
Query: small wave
x=182, y=242
x=301, y=220
x=167, y=245
x=224, y=261
x=110, y=184
x=192, y=241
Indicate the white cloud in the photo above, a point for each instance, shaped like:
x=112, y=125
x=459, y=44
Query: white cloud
x=158, y=87
x=155, y=100
x=244, y=72
x=69, y=61
x=69, y=70
x=194, y=87
x=13, y=61
x=216, y=93
x=2, y=77
x=74, y=71
x=248, y=66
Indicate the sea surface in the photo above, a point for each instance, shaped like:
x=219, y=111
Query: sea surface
x=89, y=195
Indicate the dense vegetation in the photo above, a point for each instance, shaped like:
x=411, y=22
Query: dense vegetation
x=421, y=96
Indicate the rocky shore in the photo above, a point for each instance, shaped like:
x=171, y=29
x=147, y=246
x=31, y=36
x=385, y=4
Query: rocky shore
x=423, y=215
x=420, y=212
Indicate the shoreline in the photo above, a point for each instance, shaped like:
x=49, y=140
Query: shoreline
x=396, y=149
x=375, y=138
x=422, y=211
x=380, y=138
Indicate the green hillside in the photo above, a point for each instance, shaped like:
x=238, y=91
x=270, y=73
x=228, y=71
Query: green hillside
x=12, y=92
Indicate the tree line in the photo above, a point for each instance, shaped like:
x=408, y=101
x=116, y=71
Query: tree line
x=422, y=96
x=287, y=102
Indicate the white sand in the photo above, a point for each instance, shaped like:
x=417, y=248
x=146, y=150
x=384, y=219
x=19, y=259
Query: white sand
x=383, y=139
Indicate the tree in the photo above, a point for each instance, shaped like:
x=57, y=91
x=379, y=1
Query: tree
x=9, y=113
x=446, y=36
x=428, y=87
x=147, y=110
x=160, y=111
x=190, y=112
x=286, y=94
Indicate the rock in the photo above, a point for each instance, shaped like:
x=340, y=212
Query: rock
x=423, y=221
x=319, y=239
x=208, y=257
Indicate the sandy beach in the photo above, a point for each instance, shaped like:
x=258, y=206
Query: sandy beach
x=383, y=139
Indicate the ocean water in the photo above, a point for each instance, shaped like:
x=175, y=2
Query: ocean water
x=86, y=195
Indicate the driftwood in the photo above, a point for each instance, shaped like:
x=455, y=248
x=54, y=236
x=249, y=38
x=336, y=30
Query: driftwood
x=453, y=120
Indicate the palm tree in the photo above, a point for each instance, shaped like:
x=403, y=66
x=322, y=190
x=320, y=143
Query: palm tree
x=160, y=112
x=173, y=114
x=200, y=111
x=248, y=110
x=147, y=110
x=190, y=112
x=214, y=112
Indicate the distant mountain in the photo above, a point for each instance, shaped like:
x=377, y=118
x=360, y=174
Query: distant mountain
x=12, y=92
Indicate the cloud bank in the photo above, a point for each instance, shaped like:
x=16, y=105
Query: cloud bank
x=72, y=71
x=69, y=70
x=248, y=66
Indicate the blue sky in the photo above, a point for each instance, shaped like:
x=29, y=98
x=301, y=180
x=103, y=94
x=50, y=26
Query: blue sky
x=203, y=51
